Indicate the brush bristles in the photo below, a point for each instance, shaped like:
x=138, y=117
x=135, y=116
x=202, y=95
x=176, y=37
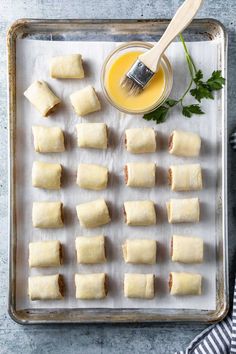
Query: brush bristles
x=131, y=86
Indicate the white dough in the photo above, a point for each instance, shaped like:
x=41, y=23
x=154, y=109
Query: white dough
x=140, y=140
x=140, y=174
x=45, y=254
x=85, y=101
x=187, y=249
x=42, y=98
x=140, y=213
x=93, y=214
x=48, y=139
x=46, y=175
x=67, y=67
x=47, y=214
x=185, y=283
x=90, y=286
x=185, y=144
x=92, y=135
x=185, y=177
x=139, y=251
x=139, y=285
x=46, y=287
x=90, y=176
x=183, y=210
x=90, y=249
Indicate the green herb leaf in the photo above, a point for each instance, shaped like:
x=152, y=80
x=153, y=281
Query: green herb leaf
x=159, y=115
x=197, y=87
x=170, y=102
x=201, y=92
x=198, y=76
x=216, y=81
x=188, y=111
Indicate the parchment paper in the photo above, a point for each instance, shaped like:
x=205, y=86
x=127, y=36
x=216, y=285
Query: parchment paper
x=33, y=64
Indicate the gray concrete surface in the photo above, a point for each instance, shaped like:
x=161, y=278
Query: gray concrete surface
x=90, y=339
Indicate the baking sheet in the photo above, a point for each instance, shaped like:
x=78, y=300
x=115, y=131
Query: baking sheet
x=32, y=64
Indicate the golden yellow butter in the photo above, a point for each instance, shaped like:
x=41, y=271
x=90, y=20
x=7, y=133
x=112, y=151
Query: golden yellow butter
x=146, y=99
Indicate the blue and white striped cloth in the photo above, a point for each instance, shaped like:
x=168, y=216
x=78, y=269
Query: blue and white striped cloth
x=219, y=338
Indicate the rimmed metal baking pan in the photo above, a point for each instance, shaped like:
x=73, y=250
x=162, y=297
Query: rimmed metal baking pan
x=117, y=30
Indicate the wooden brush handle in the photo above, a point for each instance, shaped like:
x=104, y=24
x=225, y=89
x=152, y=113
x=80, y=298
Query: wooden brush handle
x=179, y=22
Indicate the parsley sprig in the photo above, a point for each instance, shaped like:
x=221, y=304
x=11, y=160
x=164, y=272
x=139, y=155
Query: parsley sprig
x=197, y=87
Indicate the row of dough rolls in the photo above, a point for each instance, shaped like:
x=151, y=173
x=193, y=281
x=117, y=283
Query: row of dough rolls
x=96, y=213
x=48, y=176
x=95, y=177
x=92, y=250
x=84, y=101
x=181, y=143
x=50, y=214
x=94, y=286
x=52, y=287
x=95, y=136
x=182, y=178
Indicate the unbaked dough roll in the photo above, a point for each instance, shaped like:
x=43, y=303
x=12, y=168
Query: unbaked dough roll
x=140, y=213
x=183, y=143
x=139, y=285
x=48, y=139
x=67, y=67
x=185, y=177
x=140, y=251
x=90, y=250
x=45, y=254
x=93, y=214
x=46, y=175
x=140, y=174
x=92, y=135
x=93, y=177
x=42, y=98
x=85, y=101
x=183, y=210
x=140, y=140
x=91, y=286
x=185, y=283
x=47, y=215
x=46, y=287
x=186, y=249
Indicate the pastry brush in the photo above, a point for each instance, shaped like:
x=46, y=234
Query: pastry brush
x=147, y=64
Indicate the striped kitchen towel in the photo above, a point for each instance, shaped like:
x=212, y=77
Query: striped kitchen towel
x=219, y=338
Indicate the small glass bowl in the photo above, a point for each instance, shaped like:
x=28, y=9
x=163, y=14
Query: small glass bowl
x=137, y=46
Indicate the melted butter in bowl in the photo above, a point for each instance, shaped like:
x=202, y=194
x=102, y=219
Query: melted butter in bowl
x=120, y=96
x=118, y=64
